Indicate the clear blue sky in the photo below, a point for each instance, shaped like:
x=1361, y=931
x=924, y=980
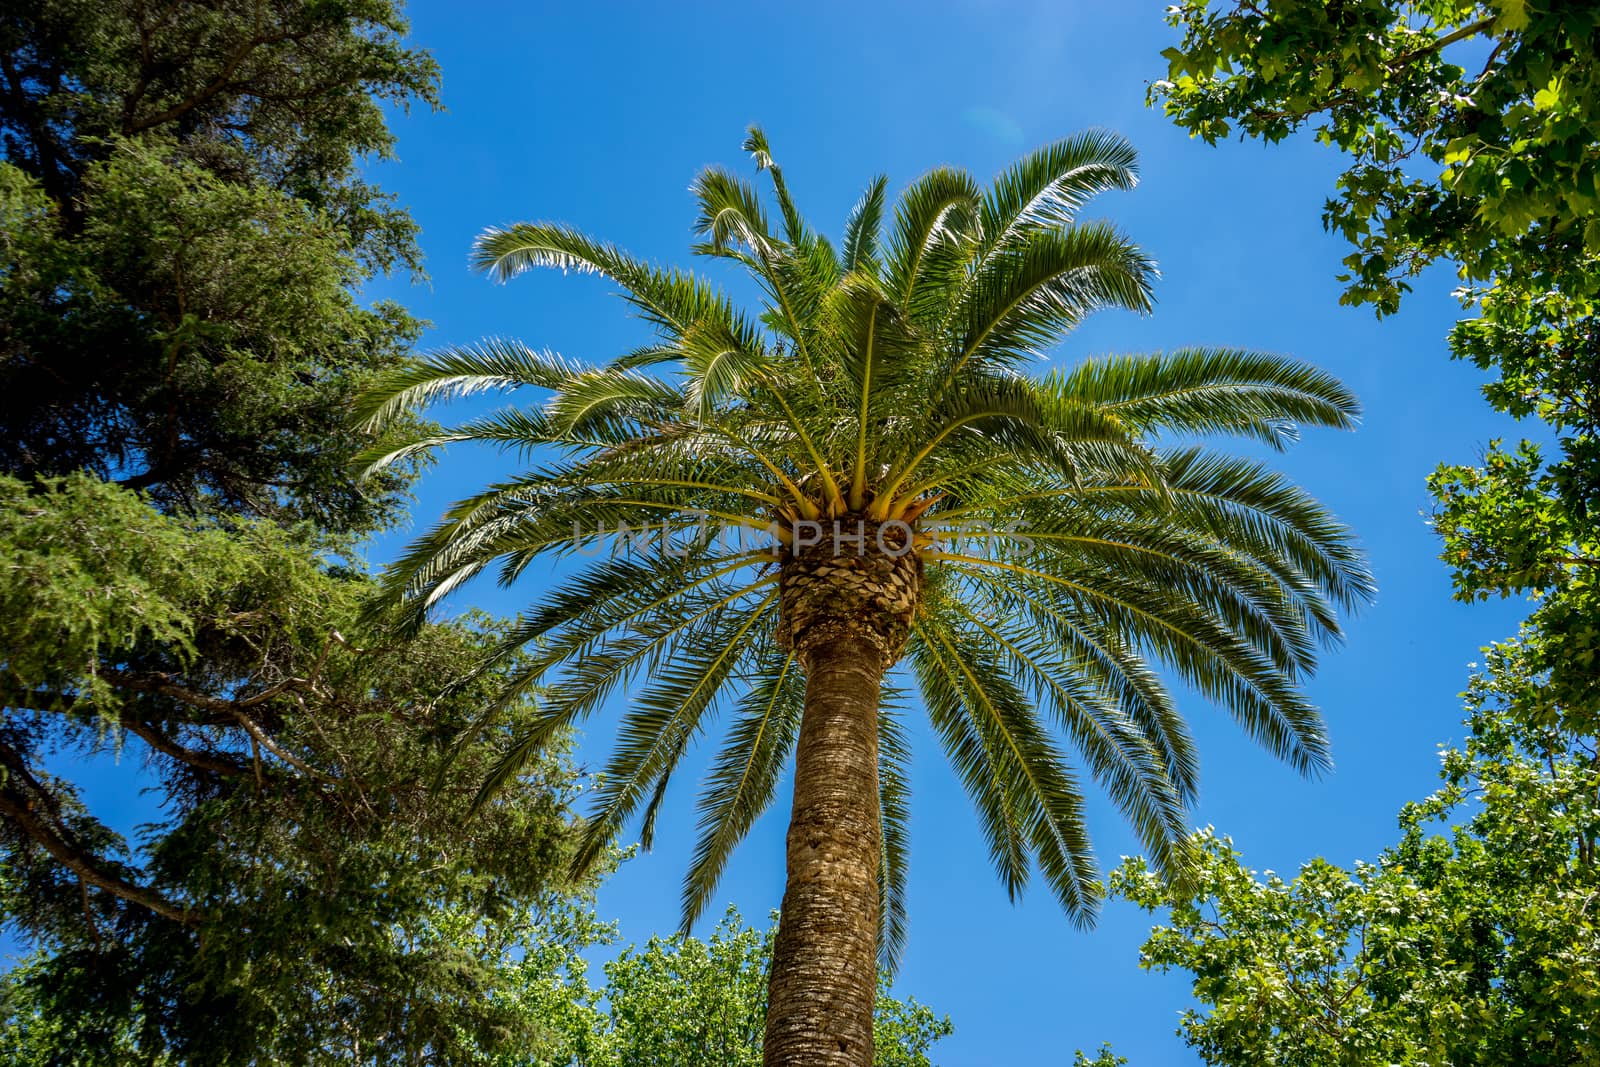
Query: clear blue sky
x=600, y=115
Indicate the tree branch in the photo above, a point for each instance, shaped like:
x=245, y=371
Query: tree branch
x=192, y=756
x=217, y=85
x=36, y=816
x=164, y=685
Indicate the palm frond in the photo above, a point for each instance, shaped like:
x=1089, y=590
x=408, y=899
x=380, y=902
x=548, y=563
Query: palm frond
x=794, y=226
x=863, y=229
x=731, y=214
x=1107, y=664
x=1125, y=762
x=1045, y=188
x=660, y=724
x=460, y=371
x=670, y=299
x=894, y=811
x=1212, y=390
x=1224, y=665
x=1026, y=296
x=1027, y=780
x=513, y=428
x=719, y=367
x=744, y=776
x=944, y=693
x=935, y=221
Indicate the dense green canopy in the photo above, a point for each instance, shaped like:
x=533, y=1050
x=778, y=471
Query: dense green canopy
x=181, y=219
x=181, y=226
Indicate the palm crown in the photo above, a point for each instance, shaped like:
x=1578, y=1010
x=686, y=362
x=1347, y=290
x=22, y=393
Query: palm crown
x=1038, y=551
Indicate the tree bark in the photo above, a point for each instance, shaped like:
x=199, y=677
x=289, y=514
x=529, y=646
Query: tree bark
x=824, y=963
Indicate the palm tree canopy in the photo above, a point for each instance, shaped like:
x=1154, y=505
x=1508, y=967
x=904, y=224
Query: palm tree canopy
x=1070, y=535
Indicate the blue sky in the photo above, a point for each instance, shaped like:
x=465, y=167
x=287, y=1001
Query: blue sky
x=600, y=115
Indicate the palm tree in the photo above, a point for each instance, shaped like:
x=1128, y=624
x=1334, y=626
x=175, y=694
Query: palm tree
x=904, y=494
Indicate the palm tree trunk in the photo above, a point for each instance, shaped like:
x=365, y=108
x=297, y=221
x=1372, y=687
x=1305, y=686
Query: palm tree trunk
x=824, y=963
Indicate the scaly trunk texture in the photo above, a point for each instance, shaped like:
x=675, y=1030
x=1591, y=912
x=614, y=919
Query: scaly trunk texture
x=847, y=608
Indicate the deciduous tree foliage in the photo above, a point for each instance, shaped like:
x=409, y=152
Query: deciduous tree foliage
x=1469, y=124
x=1474, y=137
x=684, y=1002
x=1476, y=945
x=674, y=1002
x=1473, y=131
